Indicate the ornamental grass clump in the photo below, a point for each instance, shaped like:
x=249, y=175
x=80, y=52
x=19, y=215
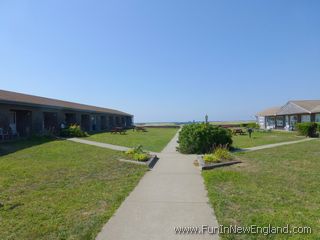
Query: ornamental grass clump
x=138, y=154
x=220, y=154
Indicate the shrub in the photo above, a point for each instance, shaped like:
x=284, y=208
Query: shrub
x=307, y=129
x=138, y=149
x=130, y=151
x=138, y=154
x=253, y=125
x=220, y=154
x=141, y=156
x=73, y=131
x=201, y=138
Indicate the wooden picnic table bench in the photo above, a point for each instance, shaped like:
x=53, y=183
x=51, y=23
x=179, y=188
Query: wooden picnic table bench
x=237, y=131
x=139, y=128
x=120, y=130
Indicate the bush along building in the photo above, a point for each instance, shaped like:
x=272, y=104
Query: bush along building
x=287, y=116
x=25, y=115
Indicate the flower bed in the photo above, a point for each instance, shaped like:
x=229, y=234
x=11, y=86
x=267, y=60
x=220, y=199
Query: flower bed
x=220, y=157
x=138, y=156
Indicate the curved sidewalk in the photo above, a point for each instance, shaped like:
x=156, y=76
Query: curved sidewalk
x=99, y=144
x=171, y=195
x=273, y=145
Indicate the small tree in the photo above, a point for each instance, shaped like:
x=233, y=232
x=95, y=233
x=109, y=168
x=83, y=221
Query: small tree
x=307, y=129
x=73, y=131
x=199, y=138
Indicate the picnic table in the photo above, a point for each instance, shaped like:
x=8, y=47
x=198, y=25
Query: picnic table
x=139, y=128
x=237, y=131
x=119, y=130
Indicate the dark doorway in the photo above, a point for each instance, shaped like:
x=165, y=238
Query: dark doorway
x=111, y=122
x=123, y=122
x=85, y=122
x=4, y=121
x=117, y=121
x=22, y=122
x=70, y=119
x=103, y=122
x=94, y=123
x=50, y=122
x=128, y=121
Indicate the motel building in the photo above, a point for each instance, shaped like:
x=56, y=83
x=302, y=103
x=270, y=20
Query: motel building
x=287, y=116
x=25, y=115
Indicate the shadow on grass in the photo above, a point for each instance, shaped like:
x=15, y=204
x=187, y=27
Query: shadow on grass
x=14, y=146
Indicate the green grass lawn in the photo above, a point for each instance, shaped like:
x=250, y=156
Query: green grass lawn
x=230, y=122
x=60, y=189
x=263, y=138
x=155, y=139
x=275, y=186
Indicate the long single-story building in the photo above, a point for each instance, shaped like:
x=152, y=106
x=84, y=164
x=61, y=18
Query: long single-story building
x=287, y=116
x=24, y=114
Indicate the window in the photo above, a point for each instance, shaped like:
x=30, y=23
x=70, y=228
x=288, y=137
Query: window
x=270, y=121
x=305, y=118
x=318, y=117
x=279, y=121
x=293, y=120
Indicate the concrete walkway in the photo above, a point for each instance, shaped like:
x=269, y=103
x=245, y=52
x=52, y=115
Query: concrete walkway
x=171, y=195
x=104, y=145
x=273, y=145
x=99, y=144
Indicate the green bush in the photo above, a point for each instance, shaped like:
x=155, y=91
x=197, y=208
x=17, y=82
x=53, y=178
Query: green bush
x=73, y=131
x=220, y=154
x=138, y=154
x=253, y=125
x=200, y=138
x=307, y=129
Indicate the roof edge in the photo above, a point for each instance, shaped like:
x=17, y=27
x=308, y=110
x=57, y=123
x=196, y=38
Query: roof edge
x=59, y=104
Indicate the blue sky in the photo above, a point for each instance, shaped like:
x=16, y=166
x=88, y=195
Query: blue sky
x=163, y=60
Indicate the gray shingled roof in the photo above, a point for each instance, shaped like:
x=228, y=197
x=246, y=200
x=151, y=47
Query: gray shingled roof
x=316, y=109
x=293, y=107
x=25, y=99
x=269, y=112
x=309, y=105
